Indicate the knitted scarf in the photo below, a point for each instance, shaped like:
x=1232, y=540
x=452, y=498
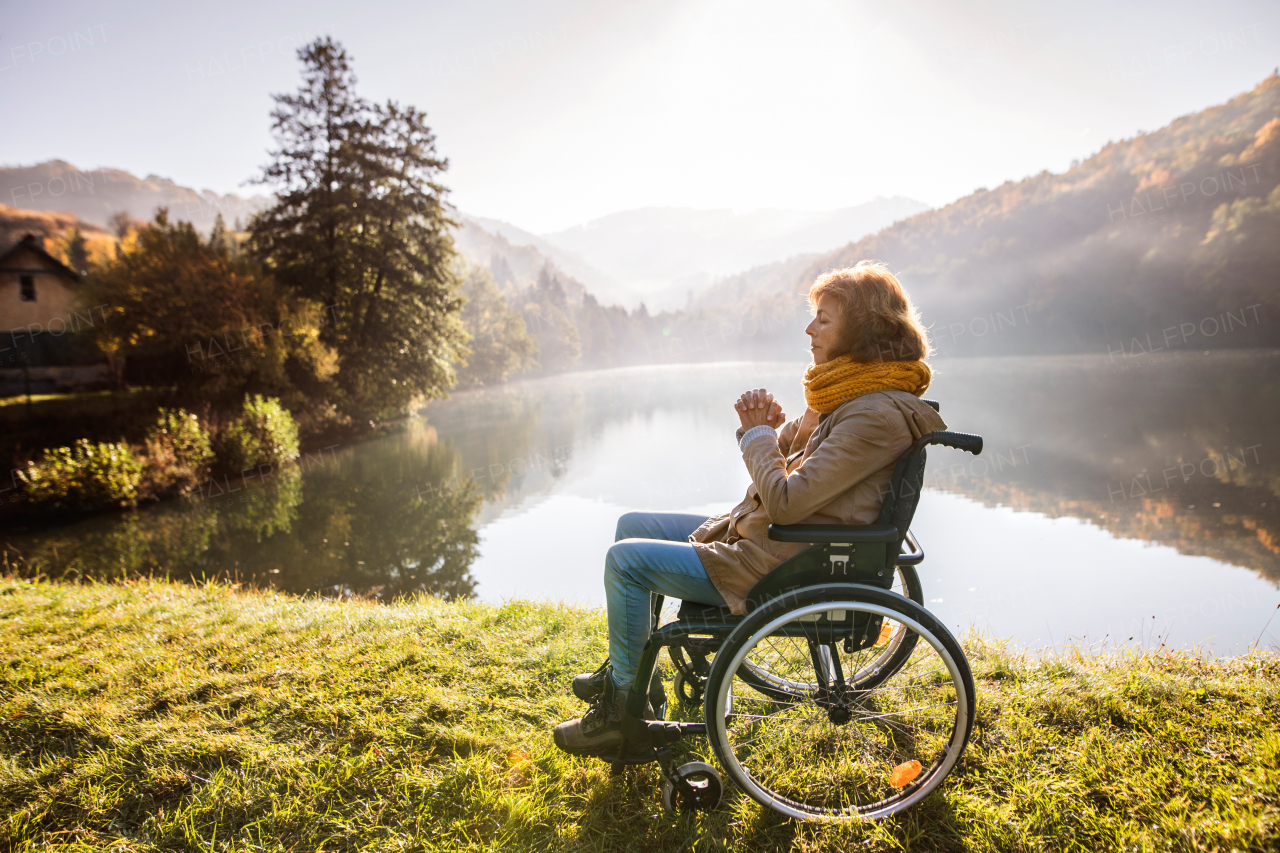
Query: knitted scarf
x=829, y=385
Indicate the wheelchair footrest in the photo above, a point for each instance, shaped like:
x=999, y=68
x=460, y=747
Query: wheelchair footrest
x=663, y=733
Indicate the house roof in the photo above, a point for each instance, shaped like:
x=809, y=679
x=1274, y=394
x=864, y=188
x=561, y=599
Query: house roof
x=32, y=244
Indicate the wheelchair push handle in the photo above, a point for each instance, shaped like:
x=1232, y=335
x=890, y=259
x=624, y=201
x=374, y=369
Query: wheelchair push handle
x=959, y=440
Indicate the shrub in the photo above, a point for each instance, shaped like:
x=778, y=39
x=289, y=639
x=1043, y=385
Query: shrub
x=86, y=476
x=178, y=452
x=263, y=434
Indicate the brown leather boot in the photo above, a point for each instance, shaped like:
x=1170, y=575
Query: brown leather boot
x=599, y=731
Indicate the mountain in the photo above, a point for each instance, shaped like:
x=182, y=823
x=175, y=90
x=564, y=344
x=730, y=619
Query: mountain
x=758, y=282
x=1169, y=239
x=666, y=256
x=55, y=232
x=515, y=268
x=604, y=286
x=95, y=195
x=16, y=223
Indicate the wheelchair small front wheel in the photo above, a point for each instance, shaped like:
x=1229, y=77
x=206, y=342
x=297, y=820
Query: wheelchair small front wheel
x=689, y=690
x=841, y=747
x=695, y=786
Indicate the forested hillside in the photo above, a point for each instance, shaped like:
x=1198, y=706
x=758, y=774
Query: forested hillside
x=1173, y=234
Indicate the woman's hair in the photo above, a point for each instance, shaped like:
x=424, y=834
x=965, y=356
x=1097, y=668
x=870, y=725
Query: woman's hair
x=877, y=320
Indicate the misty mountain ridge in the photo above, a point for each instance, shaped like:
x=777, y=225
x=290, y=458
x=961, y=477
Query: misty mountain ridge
x=481, y=240
x=95, y=194
x=667, y=256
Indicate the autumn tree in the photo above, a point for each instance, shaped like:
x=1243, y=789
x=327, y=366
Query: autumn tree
x=217, y=319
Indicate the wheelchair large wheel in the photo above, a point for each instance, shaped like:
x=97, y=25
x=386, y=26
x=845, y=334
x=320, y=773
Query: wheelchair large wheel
x=835, y=749
x=893, y=646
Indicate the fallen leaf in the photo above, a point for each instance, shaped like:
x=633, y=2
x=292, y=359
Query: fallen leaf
x=886, y=634
x=516, y=756
x=903, y=774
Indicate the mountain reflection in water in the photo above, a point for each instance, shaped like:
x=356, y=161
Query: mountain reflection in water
x=1176, y=451
x=514, y=490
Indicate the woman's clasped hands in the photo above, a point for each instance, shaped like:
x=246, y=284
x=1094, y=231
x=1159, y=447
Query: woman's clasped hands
x=758, y=408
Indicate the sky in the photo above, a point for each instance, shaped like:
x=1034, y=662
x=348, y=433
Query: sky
x=556, y=112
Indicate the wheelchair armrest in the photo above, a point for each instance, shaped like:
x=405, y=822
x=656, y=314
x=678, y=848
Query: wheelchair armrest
x=834, y=533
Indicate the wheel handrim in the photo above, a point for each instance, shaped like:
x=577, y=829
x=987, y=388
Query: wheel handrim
x=932, y=734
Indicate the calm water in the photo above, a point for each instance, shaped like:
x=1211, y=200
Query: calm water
x=1119, y=501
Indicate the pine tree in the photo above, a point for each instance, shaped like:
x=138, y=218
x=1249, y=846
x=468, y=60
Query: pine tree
x=77, y=252
x=500, y=345
x=359, y=225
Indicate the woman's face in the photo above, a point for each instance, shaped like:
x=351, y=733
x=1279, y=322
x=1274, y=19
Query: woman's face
x=824, y=331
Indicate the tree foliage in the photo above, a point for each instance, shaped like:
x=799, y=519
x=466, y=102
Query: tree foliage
x=359, y=224
x=500, y=345
x=167, y=290
x=212, y=314
x=549, y=317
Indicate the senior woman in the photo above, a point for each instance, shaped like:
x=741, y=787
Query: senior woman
x=830, y=466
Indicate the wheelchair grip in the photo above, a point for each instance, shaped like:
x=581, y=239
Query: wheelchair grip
x=959, y=440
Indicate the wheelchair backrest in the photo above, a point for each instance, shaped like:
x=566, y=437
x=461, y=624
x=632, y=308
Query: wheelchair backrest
x=907, y=483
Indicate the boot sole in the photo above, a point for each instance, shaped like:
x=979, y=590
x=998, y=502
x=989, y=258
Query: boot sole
x=592, y=751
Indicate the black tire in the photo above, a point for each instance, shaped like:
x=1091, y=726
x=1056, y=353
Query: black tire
x=839, y=751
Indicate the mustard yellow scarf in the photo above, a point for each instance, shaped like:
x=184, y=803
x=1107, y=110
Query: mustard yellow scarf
x=829, y=385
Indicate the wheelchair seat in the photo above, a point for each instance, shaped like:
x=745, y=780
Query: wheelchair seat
x=703, y=612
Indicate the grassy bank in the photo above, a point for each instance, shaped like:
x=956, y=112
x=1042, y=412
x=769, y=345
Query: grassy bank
x=157, y=716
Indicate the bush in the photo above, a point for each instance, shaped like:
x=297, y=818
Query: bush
x=88, y=476
x=264, y=434
x=178, y=452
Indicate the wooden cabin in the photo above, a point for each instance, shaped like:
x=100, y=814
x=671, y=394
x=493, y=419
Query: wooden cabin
x=35, y=287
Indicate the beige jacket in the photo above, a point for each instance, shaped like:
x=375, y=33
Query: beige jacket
x=838, y=477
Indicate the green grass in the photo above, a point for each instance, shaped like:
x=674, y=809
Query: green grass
x=67, y=398
x=160, y=716
x=42, y=398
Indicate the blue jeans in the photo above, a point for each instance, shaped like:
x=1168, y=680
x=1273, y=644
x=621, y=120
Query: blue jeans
x=651, y=553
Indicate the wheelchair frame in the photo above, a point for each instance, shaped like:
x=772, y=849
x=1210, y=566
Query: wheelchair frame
x=856, y=562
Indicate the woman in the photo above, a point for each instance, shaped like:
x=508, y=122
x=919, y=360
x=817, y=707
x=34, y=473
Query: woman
x=831, y=466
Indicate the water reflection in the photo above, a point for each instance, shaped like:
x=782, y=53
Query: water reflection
x=363, y=520
x=1177, y=453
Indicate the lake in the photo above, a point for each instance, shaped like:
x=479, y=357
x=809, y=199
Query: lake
x=1119, y=501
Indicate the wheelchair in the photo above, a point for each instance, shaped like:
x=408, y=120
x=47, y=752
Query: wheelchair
x=837, y=697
